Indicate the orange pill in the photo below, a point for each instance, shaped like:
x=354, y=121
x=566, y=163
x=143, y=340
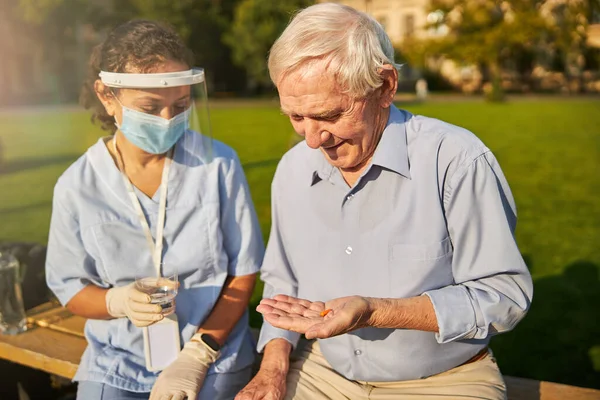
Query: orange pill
x=325, y=312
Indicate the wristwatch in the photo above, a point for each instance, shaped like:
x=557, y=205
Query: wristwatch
x=210, y=342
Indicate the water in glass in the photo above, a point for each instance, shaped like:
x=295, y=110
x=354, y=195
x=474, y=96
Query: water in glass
x=12, y=311
x=162, y=291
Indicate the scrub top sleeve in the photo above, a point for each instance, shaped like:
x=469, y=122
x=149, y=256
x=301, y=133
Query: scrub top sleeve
x=242, y=238
x=69, y=268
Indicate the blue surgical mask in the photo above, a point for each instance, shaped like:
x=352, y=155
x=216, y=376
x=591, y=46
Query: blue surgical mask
x=152, y=133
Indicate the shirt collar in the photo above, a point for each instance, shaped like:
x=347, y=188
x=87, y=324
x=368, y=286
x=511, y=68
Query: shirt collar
x=391, y=152
x=322, y=169
x=106, y=169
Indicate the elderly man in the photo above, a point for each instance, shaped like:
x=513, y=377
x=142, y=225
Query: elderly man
x=392, y=239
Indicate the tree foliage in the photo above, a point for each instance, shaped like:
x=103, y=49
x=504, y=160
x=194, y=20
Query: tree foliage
x=490, y=33
x=486, y=32
x=57, y=30
x=202, y=24
x=256, y=25
x=568, y=23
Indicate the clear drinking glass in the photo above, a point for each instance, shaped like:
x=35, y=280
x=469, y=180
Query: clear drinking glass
x=12, y=310
x=161, y=289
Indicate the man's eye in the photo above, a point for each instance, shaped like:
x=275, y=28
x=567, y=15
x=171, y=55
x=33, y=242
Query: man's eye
x=296, y=117
x=330, y=118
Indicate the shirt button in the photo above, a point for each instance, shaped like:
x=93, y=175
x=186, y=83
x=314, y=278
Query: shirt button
x=348, y=250
x=349, y=197
x=357, y=352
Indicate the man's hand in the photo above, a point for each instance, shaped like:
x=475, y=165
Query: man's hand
x=324, y=320
x=183, y=379
x=268, y=384
x=317, y=319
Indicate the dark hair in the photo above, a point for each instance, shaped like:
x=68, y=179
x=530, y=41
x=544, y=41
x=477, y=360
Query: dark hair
x=136, y=46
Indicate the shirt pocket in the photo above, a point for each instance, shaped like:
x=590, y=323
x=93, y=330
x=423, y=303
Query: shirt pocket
x=416, y=268
x=123, y=252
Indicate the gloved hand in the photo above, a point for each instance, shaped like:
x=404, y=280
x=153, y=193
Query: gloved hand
x=183, y=379
x=127, y=301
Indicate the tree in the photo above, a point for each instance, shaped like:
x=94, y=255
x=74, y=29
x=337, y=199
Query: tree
x=256, y=25
x=567, y=33
x=495, y=34
x=201, y=24
x=59, y=34
x=484, y=33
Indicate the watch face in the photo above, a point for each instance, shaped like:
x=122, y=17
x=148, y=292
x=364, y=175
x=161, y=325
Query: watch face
x=212, y=343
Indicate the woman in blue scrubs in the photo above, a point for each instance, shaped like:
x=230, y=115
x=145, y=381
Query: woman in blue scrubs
x=154, y=195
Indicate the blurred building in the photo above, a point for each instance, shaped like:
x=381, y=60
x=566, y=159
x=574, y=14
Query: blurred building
x=402, y=19
x=594, y=30
x=408, y=19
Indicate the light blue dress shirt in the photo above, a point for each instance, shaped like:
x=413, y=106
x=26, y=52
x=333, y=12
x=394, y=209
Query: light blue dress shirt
x=431, y=215
x=211, y=231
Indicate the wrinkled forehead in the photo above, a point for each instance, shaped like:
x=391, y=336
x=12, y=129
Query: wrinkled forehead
x=310, y=86
x=313, y=74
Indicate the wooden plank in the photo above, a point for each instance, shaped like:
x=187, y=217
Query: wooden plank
x=529, y=389
x=45, y=349
x=73, y=325
x=58, y=351
x=55, y=317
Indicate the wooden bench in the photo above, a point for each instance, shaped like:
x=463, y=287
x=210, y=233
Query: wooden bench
x=529, y=389
x=55, y=344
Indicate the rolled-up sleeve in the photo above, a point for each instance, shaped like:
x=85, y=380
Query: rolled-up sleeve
x=493, y=288
x=69, y=268
x=242, y=238
x=276, y=272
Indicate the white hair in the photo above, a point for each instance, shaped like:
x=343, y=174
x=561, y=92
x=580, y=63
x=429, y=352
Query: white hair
x=354, y=45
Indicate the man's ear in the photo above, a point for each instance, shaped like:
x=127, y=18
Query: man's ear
x=388, y=89
x=106, y=97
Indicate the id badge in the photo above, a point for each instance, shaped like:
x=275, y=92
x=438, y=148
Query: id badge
x=161, y=343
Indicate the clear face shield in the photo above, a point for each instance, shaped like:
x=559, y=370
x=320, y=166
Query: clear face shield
x=161, y=108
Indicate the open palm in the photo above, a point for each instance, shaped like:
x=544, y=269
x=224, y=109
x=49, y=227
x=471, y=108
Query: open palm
x=304, y=316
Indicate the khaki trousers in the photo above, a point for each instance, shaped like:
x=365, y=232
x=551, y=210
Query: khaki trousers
x=312, y=378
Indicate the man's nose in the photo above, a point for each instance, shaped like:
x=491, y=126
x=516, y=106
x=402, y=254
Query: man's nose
x=315, y=136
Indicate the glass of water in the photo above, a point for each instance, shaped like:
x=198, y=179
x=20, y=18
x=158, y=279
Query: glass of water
x=12, y=310
x=161, y=289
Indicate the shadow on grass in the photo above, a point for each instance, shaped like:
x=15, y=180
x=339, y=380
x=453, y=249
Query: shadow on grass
x=28, y=207
x=33, y=163
x=556, y=339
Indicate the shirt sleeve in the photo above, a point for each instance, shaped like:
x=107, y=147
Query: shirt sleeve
x=242, y=238
x=493, y=288
x=277, y=273
x=69, y=268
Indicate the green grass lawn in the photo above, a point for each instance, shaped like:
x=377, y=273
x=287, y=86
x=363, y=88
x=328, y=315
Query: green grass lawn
x=549, y=151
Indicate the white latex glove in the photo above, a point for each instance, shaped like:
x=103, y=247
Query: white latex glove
x=127, y=301
x=183, y=379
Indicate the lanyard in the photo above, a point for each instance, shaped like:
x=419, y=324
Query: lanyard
x=155, y=248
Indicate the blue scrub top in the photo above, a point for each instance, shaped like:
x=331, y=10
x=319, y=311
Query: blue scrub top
x=211, y=231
